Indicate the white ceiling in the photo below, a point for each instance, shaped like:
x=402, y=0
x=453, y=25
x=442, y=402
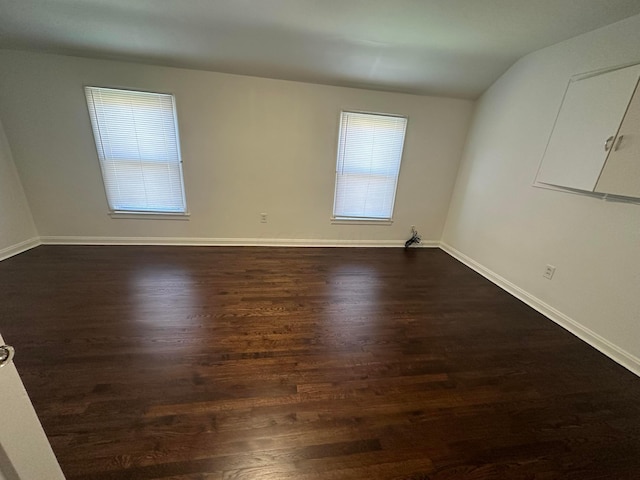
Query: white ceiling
x=443, y=47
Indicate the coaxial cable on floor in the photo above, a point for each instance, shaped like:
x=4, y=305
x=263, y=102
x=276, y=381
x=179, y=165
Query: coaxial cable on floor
x=415, y=238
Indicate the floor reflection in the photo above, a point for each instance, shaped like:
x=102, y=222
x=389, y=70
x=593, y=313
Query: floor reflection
x=154, y=289
x=354, y=301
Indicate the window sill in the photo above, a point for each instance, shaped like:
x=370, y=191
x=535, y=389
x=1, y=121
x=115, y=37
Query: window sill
x=360, y=221
x=149, y=216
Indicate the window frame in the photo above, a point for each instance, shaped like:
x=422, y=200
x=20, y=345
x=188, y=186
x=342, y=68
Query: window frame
x=344, y=220
x=142, y=214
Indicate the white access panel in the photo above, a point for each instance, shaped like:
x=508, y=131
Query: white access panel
x=590, y=115
x=621, y=173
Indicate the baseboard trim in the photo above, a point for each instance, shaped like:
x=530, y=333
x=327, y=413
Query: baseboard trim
x=617, y=354
x=228, y=242
x=23, y=246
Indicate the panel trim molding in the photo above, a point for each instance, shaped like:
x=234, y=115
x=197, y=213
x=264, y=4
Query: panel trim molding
x=617, y=354
x=231, y=242
x=17, y=248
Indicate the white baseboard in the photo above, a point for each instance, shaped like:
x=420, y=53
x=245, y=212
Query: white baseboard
x=229, y=242
x=617, y=354
x=23, y=246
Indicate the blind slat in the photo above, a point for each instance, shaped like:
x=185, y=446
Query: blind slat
x=369, y=154
x=138, y=148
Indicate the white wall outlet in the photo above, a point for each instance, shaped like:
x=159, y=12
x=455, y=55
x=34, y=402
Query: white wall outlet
x=549, y=271
x=413, y=227
x=263, y=218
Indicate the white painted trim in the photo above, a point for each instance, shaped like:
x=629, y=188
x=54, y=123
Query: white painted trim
x=617, y=354
x=23, y=246
x=360, y=221
x=239, y=242
x=149, y=215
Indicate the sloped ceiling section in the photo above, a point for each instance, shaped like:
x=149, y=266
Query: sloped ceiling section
x=453, y=48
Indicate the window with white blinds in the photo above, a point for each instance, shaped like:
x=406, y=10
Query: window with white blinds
x=369, y=155
x=136, y=137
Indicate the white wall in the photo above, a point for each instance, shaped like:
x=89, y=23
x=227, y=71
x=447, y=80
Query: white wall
x=17, y=231
x=249, y=145
x=513, y=229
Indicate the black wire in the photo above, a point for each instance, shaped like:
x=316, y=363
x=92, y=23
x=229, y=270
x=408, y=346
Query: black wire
x=415, y=238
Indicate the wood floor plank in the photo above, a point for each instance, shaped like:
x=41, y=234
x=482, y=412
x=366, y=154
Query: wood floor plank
x=211, y=363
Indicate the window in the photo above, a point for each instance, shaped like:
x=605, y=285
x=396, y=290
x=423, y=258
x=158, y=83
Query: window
x=136, y=138
x=369, y=154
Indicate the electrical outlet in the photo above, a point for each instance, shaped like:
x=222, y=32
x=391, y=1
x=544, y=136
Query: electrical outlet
x=263, y=218
x=413, y=227
x=549, y=271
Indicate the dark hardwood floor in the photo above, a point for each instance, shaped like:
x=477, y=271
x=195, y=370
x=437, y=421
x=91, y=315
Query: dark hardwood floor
x=182, y=363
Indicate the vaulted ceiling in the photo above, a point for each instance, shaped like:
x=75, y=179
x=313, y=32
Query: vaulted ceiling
x=443, y=47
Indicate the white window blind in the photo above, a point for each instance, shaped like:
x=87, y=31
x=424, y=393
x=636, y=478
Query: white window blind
x=369, y=154
x=136, y=138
